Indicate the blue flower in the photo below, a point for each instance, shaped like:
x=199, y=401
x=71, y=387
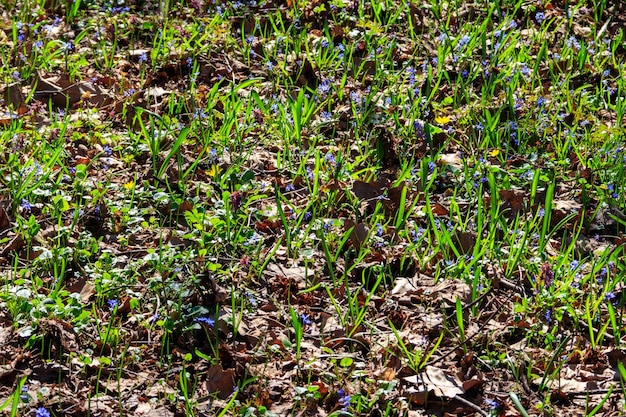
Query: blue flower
x=25, y=205
x=205, y=320
x=324, y=87
x=462, y=42
x=42, y=412
x=112, y=304
x=540, y=17
x=66, y=46
x=493, y=404
x=304, y=318
x=199, y=114
x=344, y=399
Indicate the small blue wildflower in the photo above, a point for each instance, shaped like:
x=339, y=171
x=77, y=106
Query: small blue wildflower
x=548, y=316
x=66, y=46
x=541, y=212
x=304, y=318
x=540, y=17
x=199, y=114
x=541, y=102
x=341, y=47
x=609, y=296
x=42, y=412
x=525, y=71
x=492, y=404
x=330, y=159
x=24, y=397
x=112, y=304
x=307, y=216
x=419, y=128
x=572, y=42
x=205, y=320
x=107, y=150
x=324, y=43
x=417, y=234
x=324, y=87
x=252, y=240
x=25, y=205
x=249, y=39
x=290, y=187
x=344, y=399
x=463, y=42
x=143, y=58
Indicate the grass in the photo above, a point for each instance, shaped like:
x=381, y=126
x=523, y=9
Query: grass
x=267, y=208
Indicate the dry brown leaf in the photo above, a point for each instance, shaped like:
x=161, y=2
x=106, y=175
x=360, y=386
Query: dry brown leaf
x=221, y=381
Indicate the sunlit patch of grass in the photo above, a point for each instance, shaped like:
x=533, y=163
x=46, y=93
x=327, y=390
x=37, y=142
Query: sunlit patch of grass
x=348, y=145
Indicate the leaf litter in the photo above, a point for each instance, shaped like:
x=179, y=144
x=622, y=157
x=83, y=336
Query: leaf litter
x=231, y=270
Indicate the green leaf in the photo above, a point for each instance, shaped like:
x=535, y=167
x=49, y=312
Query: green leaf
x=346, y=362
